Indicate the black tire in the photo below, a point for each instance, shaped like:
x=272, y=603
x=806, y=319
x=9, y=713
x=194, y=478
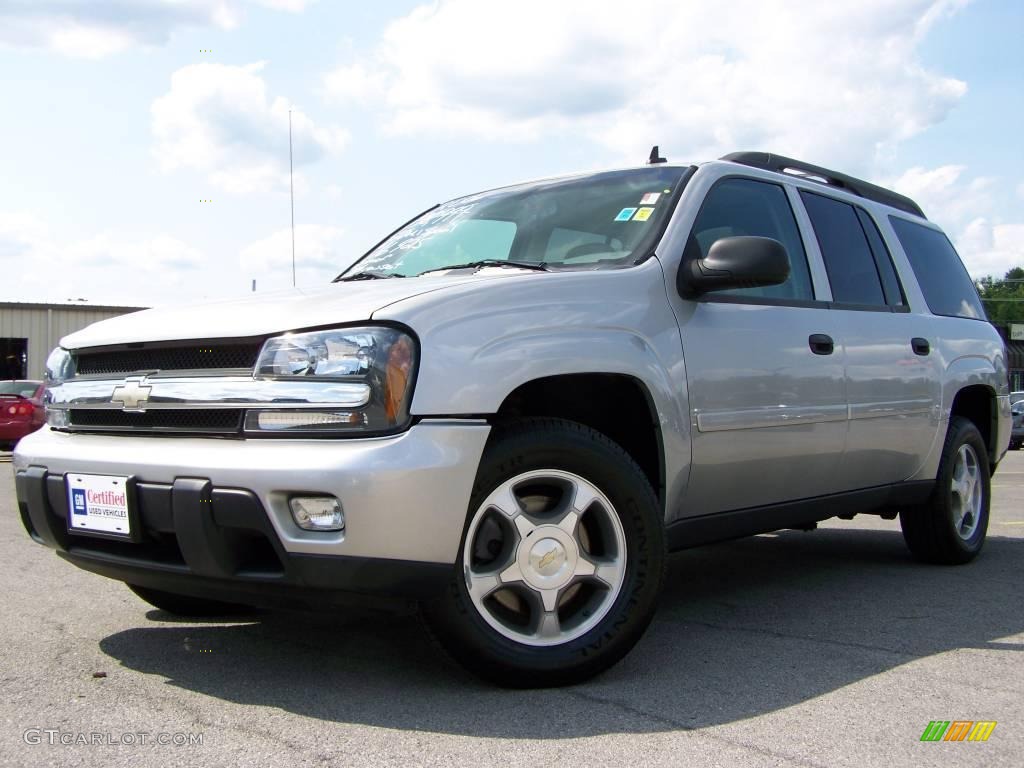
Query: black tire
x=186, y=605
x=538, y=444
x=929, y=530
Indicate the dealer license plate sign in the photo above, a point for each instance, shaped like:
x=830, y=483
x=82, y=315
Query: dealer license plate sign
x=98, y=504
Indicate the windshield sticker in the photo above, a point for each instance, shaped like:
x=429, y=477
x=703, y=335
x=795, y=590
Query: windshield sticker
x=650, y=198
x=625, y=214
x=643, y=214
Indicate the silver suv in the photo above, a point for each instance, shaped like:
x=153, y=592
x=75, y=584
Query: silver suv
x=517, y=403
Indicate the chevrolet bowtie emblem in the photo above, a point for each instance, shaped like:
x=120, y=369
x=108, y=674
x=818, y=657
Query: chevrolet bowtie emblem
x=132, y=395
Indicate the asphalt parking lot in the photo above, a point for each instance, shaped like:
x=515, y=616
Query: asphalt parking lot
x=826, y=648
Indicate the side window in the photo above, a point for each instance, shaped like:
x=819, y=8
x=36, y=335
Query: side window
x=849, y=262
x=736, y=207
x=883, y=260
x=944, y=281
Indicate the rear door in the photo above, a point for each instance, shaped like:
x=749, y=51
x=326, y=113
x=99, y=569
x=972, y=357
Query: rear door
x=764, y=366
x=892, y=371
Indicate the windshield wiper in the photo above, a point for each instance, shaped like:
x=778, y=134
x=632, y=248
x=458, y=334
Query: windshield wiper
x=367, y=275
x=540, y=266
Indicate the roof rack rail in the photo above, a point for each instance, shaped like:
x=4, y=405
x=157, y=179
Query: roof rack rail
x=867, y=190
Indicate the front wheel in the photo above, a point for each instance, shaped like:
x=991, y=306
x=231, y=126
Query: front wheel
x=950, y=527
x=561, y=559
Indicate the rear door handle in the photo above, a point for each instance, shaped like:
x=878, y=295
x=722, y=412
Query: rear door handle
x=821, y=344
x=920, y=346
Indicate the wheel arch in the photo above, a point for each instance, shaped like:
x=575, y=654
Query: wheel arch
x=617, y=405
x=977, y=403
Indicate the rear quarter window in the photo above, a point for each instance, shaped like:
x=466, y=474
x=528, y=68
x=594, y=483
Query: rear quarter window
x=944, y=281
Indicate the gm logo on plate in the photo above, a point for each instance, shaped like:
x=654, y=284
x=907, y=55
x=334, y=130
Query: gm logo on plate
x=78, y=501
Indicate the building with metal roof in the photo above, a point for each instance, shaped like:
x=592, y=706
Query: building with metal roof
x=29, y=330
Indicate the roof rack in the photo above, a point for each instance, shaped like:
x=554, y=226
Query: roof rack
x=867, y=190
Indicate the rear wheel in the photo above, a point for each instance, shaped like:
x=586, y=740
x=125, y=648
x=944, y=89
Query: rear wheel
x=561, y=559
x=185, y=605
x=950, y=528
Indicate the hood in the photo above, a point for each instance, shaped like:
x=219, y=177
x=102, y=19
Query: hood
x=268, y=313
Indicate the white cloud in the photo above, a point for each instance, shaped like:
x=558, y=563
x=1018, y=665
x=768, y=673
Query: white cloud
x=961, y=206
x=218, y=119
x=292, y=6
x=837, y=83
x=319, y=256
x=104, y=267
x=97, y=29
x=92, y=30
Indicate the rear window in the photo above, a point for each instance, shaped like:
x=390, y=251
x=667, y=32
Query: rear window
x=944, y=281
x=22, y=388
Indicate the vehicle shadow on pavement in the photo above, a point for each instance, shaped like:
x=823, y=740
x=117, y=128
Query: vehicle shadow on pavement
x=744, y=628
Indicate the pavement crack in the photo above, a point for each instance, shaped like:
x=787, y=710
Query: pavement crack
x=698, y=730
x=808, y=638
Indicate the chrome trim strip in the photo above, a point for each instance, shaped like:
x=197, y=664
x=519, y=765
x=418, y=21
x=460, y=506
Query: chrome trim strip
x=784, y=415
x=198, y=394
x=772, y=416
x=890, y=408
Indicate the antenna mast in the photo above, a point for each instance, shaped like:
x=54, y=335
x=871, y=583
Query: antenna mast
x=291, y=189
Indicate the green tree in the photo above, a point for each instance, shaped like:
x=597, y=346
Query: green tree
x=1004, y=299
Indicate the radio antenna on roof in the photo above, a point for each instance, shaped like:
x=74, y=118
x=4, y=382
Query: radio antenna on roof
x=655, y=158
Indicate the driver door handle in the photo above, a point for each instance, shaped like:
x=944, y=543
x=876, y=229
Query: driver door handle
x=821, y=344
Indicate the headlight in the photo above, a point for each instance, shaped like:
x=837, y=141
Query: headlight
x=377, y=363
x=59, y=367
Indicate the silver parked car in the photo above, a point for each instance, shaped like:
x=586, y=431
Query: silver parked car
x=1017, y=432
x=515, y=405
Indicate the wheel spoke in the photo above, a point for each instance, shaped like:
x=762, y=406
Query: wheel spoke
x=609, y=573
x=550, y=626
x=569, y=522
x=583, y=495
x=960, y=466
x=524, y=525
x=512, y=574
x=549, y=598
x=967, y=522
x=480, y=585
x=504, y=501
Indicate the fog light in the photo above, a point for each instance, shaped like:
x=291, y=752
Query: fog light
x=317, y=513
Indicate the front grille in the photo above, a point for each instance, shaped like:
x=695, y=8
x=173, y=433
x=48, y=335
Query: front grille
x=219, y=420
x=195, y=357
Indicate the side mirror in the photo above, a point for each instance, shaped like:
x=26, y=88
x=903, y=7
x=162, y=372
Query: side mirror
x=735, y=262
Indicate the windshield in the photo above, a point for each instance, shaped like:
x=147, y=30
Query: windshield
x=23, y=388
x=601, y=221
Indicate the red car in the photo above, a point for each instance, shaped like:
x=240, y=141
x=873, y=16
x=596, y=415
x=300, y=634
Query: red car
x=21, y=410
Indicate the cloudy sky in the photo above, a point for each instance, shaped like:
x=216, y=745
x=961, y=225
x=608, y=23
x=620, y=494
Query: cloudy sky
x=145, y=142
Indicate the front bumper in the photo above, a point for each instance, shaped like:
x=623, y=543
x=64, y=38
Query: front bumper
x=214, y=517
